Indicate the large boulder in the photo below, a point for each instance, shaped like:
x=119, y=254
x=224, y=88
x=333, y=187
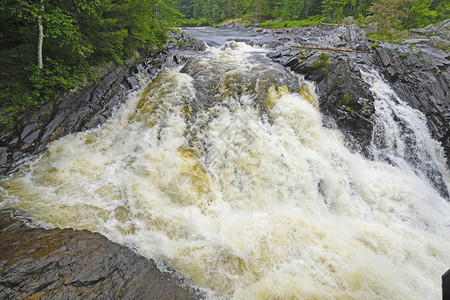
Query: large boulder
x=38, y=263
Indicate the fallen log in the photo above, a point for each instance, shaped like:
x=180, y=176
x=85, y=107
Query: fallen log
x=327, y=48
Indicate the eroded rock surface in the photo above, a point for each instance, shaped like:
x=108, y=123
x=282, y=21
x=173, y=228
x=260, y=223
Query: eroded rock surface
x=38, y=263
x=86, y=107
x=417, y=71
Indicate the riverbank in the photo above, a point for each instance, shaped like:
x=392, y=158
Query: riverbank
x=38, y=263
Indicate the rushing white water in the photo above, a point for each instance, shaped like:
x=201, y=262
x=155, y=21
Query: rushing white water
x=223, y=171
x=401, y=135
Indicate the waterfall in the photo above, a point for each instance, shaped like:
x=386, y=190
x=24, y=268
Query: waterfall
x=401, y=135
x=222, y=170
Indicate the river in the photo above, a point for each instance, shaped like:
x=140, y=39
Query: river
x=222, y=170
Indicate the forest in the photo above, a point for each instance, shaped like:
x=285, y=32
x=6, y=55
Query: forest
x=402, y=14
x=50, y=46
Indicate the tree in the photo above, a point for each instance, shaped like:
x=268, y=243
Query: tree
x=261, y=9
x=442, y=7
x=78, y=34
x=333, y=10
x=40, y=36
x=388, y=14
x=419, y=14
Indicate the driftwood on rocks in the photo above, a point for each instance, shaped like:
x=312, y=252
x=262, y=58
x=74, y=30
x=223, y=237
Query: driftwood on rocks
x=327, y=48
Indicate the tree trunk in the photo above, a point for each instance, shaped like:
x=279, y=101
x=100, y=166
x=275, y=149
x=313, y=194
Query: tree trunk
x=40, y=37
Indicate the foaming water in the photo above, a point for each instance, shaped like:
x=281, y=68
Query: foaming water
x=401, y=135
x=222, y=170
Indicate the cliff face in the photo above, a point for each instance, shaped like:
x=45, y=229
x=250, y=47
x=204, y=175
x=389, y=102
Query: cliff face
x=417, y=71
x=36, y=263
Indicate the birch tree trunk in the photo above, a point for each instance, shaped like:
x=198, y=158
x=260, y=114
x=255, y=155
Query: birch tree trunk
x=40, y=37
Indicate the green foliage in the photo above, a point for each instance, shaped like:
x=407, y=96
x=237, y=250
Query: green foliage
x=374, y=45
x=261, y=9
x=303, y=55
x=344, y=100
x=442, y=7
x=310, y=21
x=78, y=35
x=194, y=22
x=393, y=16
x=334, y=9
x=388, y=14
x=419, y=15
x=216, y=11
x=322, y=62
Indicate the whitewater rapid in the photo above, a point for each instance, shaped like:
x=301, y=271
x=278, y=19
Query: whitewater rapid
x=222, y=170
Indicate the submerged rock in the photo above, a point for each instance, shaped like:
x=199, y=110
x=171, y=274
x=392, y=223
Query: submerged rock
x=38, y=263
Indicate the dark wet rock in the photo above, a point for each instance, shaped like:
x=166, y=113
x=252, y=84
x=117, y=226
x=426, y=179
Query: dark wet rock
x=420, y=75
x=34, y=129
x=417, y=71
x=87, y=107
x=446, y=285
x=38, y=263
x=344, y=97
x=3, y=155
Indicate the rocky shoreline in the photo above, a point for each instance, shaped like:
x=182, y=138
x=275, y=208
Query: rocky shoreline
x=84, y=108
x=417, y=71
x=38, y=263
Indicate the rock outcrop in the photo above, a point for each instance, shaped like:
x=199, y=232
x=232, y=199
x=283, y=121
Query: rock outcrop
x=75, y=111
x=84, y=108
x=417, y=71
x=38, y=263
x=419, y=74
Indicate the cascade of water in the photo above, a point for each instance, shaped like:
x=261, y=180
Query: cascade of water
x=401, y=135
x=223, y=170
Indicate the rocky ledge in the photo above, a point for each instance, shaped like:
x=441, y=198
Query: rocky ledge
x=86, y=107
x=38, y=263
x=333, y=57
x=417, y=70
